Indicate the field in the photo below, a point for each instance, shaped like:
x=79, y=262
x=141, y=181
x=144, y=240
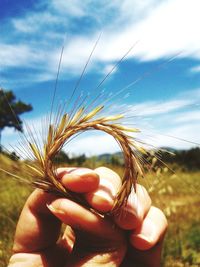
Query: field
x=178, y=195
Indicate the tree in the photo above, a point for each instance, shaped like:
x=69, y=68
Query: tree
x=115, y=160
x=10, y=110
x=62, y=158
x=80, y=159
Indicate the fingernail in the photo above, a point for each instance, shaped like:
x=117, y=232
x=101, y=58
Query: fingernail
x=62, y=172
x=146, y=235
x=51, y=208
x=100, y=200
x=54, y=208
x=128, y=219
x=82, y=171
x=104, y=196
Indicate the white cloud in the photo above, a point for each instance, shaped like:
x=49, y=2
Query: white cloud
x=93, y=144
x=20, y=55
x=179, y=137
x=163, y=29
x=35, y=21
x=195, y=69
x=186, y=100
x=73, y=8
x=109, y=68
x=170, y=28
x=171, y=123
x=190, y=116
x=156, y=108
x=10, y=55
x=167, y=29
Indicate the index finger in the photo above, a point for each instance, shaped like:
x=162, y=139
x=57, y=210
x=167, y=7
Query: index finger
x=102, y=199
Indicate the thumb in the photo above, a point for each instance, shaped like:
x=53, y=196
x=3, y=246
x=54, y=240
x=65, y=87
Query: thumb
x=98, y=242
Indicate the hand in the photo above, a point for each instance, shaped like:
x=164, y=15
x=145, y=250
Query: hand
x=133, y=239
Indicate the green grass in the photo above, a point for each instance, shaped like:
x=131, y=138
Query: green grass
x=178, y=195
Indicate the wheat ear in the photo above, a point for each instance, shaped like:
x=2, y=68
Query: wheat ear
x=67, y=127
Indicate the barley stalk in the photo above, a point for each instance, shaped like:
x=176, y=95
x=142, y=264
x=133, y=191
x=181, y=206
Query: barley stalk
x=45, y=170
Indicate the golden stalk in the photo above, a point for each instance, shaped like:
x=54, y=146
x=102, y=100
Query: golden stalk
x=45, y=170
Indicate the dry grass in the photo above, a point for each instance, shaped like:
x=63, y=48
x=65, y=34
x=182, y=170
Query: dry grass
x=179, y=202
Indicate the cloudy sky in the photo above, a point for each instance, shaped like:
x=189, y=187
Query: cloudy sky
x=157, y=83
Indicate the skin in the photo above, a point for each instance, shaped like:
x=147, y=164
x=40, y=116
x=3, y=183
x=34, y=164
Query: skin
x=132, y=239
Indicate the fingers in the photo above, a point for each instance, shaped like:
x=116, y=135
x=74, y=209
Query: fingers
x=98, y=242
x=39, y=225
x=102, y=199
x=133, y=213
x=36, y=221
x=80, y=218
x=150, y=257
x=79, y=180
x=150, y=231
x=148, y=223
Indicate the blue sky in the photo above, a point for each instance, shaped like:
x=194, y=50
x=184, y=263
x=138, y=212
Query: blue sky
x=163, y=103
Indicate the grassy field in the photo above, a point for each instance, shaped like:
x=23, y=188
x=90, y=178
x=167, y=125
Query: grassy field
x=178, y=195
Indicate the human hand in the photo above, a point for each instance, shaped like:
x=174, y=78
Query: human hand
x=133, y=239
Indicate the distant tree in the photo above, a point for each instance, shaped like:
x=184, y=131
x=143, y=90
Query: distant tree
x=186, y=159
x=80, y=159
x=115, y=160
x=10, y=110
x=62, y=157
x=190, y=159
